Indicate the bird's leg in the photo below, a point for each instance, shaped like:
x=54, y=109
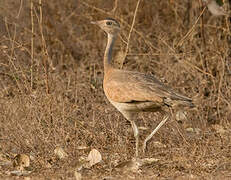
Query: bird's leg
x=129, y=116
x=136, y=135
x=166, y=117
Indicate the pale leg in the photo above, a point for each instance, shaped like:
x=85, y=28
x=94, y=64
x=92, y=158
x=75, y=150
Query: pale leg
x=129, y=116
x=154, y=131
x=136, y=135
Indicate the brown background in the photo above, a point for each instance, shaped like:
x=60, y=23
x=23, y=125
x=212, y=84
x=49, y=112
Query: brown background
x=51, y=94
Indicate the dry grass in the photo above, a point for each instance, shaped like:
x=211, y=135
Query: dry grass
x=51, y=93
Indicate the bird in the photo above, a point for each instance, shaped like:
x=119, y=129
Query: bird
x=131, y=92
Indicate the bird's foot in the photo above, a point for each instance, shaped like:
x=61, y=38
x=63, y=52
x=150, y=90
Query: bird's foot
x=144, y=146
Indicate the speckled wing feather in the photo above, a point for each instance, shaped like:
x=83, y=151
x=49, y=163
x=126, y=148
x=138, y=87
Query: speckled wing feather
x=128, y=86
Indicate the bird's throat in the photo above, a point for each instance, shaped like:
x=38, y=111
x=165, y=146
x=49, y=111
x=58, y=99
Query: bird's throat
x=108, y=52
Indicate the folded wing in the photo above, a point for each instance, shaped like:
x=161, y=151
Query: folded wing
x=128, y=86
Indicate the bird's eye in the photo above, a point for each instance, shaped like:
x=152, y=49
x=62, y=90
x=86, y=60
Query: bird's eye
x=109, y=23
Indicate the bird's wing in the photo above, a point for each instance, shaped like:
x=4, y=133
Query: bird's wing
x=128, y=86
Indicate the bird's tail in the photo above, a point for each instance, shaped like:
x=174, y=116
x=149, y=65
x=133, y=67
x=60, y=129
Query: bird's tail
x=185, y=102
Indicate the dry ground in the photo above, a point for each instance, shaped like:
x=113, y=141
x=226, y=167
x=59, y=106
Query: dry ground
x=51, y=92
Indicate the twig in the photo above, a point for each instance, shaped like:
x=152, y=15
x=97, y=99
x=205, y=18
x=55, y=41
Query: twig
x=115, y=6
x=129, y=35
x=186, y=62
x=32, y=43
x=191, y=30
x=20, y=8
x=202, y=25
x=12, y=52
x=45, y=53
x=148, y=43
x=222, y=73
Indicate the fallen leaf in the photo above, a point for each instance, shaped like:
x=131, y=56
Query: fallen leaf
x=94, y=157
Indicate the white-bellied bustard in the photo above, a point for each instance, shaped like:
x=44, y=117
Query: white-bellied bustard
x=132, y=92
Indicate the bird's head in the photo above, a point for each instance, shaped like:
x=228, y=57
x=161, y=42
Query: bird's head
x=109, y=25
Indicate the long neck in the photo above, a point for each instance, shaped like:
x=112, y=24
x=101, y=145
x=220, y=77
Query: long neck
x=108, y=52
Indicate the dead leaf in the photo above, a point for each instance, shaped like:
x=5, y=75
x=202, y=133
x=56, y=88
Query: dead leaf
x=94, y=157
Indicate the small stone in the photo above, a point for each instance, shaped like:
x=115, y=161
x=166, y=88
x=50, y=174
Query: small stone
x=82, y=147
x=19, y=173
x=21, y=161
x=181, y=115
x=60, y=153
x=193, y=130
x=159, y=144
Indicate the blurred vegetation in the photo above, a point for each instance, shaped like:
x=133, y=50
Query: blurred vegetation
x=51, y=75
